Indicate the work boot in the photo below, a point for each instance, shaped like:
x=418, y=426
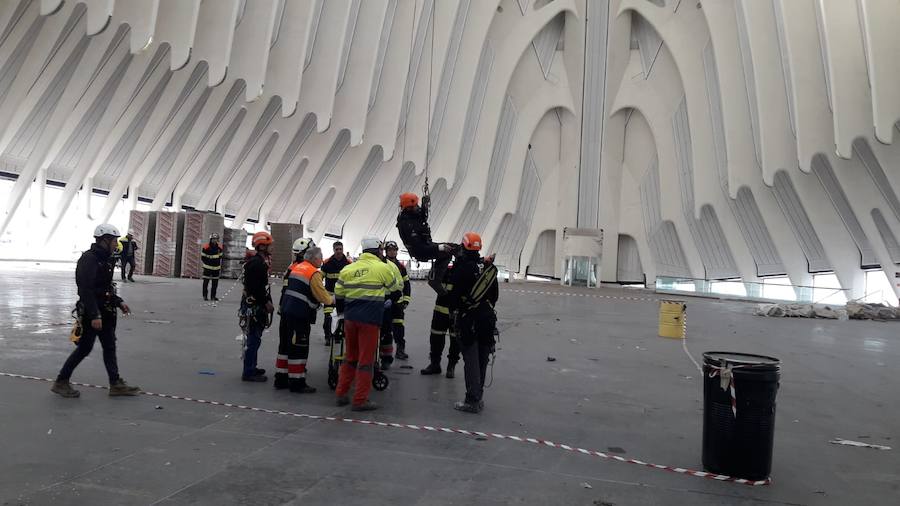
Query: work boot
x=205, y=298
x=130, y=279
x=259, y=372
x=342, y=401
x=299, y=386
x=64, y=388
x=451, y=370
x=281, y=381
x=255, y=379
x=215, y=299
x=327, y=340
x=466, y=407
x=366, y=406
x=431, y=369
x=401, y=354
x=120, y=388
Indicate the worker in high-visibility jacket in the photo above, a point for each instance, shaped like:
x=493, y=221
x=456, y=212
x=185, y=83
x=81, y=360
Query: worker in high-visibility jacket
x=361, y=291
x=332, y=268
x=398, y=311
x=211, y=259
x=301, y=295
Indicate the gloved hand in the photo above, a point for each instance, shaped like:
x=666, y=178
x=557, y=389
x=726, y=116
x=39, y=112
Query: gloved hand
x=426, y=200
x=388, y=303
x=404, y=305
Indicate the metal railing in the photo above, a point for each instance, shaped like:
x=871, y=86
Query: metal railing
x=749, y=290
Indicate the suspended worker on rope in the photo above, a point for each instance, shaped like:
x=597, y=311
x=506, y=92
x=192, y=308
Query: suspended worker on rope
x=412, y=223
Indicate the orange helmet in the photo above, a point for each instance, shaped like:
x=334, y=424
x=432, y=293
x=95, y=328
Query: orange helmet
x=409, y=200
x=472, y=241
x=261, y=238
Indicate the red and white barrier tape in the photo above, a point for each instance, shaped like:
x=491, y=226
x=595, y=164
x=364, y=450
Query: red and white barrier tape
x=726, y=382
x=428, y=428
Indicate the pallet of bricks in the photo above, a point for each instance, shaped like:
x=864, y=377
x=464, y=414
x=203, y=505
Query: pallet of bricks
x=143, y=225
x=197, y=229
x=234, y=240
x=167, y=251
x=284, y=235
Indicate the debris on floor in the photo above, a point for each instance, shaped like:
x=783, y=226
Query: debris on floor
x=551, y=359
x=162, y=322
x=861, y=311
x=157, y=407
x=207, y=373
x=586, y=485
x=847, y=442
x=801, y=311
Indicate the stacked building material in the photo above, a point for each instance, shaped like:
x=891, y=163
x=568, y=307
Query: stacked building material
x=197, y=229
x=284, y=235
x=143, y=225
x=235, y=242
x=169, y=238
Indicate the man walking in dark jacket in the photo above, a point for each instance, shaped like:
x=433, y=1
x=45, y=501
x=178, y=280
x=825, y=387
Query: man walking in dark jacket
x=129, y=248
x=97, y=305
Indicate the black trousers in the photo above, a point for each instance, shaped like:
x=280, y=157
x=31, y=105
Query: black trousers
x=126, y=262
x=476, y=336
x=476, y=355
x=398, y=327
x=107, y=336
x=440, y=326
x=215, y=285
x=386, y=341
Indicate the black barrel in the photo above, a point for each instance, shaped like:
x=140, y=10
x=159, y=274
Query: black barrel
x=739, y=445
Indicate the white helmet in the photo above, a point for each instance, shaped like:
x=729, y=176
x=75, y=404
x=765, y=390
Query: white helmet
x=370, y=242
x=106, y=229
x=214, y=236
x=301, y=245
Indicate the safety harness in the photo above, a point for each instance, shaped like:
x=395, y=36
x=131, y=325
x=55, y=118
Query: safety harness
x=476, y=295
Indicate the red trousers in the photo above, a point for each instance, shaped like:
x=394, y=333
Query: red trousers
x=359, y=360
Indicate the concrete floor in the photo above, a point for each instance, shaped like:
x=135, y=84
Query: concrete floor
x=614, y=387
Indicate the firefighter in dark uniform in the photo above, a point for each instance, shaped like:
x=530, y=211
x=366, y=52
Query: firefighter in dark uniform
x=301, y=294
x=398, y=311
x=211, y=259
x=257, y=301
x=96, y=309
x=440, y=327
x=332, y=268
x=129, y=248
x=412, y=224
x=472, y=301
x=387, y=331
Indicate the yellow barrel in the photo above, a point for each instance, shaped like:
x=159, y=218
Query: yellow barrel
x=672, y=319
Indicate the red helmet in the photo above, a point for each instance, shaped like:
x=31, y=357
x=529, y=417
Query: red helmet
x=409, y=200
x=472, y=241
x=261, y=238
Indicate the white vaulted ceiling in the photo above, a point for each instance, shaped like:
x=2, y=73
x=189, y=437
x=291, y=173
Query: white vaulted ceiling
x=754, y=138
x=711, y=139
x=285, y=110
